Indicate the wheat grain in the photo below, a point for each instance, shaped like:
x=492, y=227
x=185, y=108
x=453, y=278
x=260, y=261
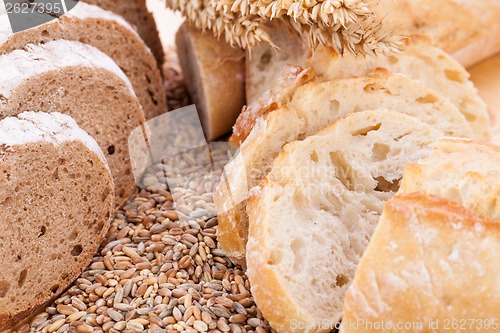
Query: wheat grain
x=339, y=24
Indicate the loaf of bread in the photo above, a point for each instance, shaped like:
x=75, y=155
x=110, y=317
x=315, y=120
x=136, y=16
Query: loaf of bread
x=214, y=74
x=312, y=107
x=421, y=61
x=80, y=81
x=112, y=35
x=137, y=14
x=463, y=171
x=263, y=63
x=431, y=265
x=56, y=199
x=314, y=214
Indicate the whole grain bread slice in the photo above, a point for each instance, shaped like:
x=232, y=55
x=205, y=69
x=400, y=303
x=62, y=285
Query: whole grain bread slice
x=419, y=60
x=314, y=214
x=56, y=199
x=137, y=14
x=430, y=261
x=214, y=74
x=78, y=80
x=110, y=34
x=463, y=171
x=312, y=107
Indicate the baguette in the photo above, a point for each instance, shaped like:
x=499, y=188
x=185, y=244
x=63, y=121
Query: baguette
x=56, y=199
x=314, y=214
x=312, y=107
x=431, y=263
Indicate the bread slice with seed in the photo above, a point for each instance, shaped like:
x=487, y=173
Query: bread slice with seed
x=421, y=61
x=56, y=198
x=315, y=212
x=215, y=77
x=263, y=63
x=312, y=107
x=430, y=262
x=110, y=34
x=82, y=82
x=138, y=15
x=464, y=171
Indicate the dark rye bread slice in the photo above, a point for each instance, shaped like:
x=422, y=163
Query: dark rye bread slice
x=56, y=199
x=137, y=14
x=112, y=35
x=87, y=85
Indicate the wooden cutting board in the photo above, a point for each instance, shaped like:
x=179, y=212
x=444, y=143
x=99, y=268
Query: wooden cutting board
x=486, y=77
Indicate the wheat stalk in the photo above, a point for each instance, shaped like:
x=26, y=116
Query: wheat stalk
x=340, y=24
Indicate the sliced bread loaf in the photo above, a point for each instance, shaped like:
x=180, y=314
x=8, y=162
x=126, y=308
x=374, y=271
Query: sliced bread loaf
x=315, y=212
x=80, y=81
x=430, y=265
x=421, y=61
x=56, y=199
x=463, y=171
x=112, y=35
x=138, y=15
x=215, y=77
x=312, y=107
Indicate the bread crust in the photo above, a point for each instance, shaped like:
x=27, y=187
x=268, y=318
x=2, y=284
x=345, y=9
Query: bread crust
x=423, y=265
x=214, y=74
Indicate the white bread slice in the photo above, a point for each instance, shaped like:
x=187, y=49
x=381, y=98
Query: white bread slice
x=84, y=83
x=215, y=77
x=56, y=199
x=137, y=14
x=420, y=61
x=430, y=262
x=315, y=212
x=112, y=35
x=263, y=63
x=312, y=107
x=463, y=171
x=279, y=93
x=468, y=30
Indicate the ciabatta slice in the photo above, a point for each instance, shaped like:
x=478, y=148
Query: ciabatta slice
x=430, y=263
x=315, y=212
x=419, y=60
x=463, y=171
x=312, y=107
